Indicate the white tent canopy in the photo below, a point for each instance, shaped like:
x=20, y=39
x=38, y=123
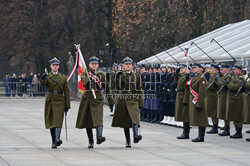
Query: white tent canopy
x=235, y=38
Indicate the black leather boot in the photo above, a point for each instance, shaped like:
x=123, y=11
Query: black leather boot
x=90, y=137
x=201, y=135
x=214, y=129
x=238, y=133
x=58, y=134
x=150, y=115
x=137, y=137
x=53, y=137
x=144, y=114
x=160, y=118
x=127, y=136
x=154, y=117
x=226, y=132
x=248, y=131
x=248, y=139
x=99, y=137
x=147, y=116
x=186, y=130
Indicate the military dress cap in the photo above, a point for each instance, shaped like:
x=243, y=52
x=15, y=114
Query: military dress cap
x=238, y=66
x=174, y=67
x=163, y=65
x=150, y=67
x=207, y=65
x=143, y=66
x=115, y=65
x=214, y=65
x=197, y=65
x=127, y=60
x=93, y=59
x=183, y=65
x=224, y=65
x=169, y=65
x=155, y=66
x=54, y=61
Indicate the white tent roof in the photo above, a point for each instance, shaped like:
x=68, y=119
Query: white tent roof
x=235, y=38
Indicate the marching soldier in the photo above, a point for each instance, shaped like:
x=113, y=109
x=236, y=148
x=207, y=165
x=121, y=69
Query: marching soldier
x=197, y=112
x=129, y=102
x=222, y=95
x=90, y=113
x=211, y=97
x=234, y=103
x=57, y=101
x=247, y=103
x=182, y=97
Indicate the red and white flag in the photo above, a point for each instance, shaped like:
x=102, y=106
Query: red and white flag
x=80, y=71
x=186, y=52
x=79, y=60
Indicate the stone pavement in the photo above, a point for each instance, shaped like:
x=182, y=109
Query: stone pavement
x=24, y=141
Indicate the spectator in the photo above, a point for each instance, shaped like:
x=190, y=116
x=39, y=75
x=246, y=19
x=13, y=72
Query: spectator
x=6, y=81
x=13, y=84
x=29, y=86
x=22, y=85
x=35, y=85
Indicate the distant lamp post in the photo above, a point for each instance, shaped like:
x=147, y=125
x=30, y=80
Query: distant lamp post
x=110, y=54
x=101, y=51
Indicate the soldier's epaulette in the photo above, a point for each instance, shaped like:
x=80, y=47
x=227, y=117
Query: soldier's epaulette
x=203, y=77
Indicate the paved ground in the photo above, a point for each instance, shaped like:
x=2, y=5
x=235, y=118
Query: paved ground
x=24, y=141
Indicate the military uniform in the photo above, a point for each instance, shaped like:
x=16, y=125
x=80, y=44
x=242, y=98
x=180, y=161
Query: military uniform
x=143, y=79
x=129, y=102
x=181, y=103
x=169, y=97
x=57, y=101
x=212, y=99
x=90, y=112
x=247, y=103
x=222, y=95
x=197, y=110
x=156, y=100
x=148, y=96
x=234, y=103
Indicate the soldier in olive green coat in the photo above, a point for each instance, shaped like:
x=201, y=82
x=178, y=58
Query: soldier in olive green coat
x=211, y=97
x=247, y=103
x=234, y=104
x=222, y=95
x=129, y=101
x=182, y=100
x=197, y=112
x=57, y=101
x=90, y=113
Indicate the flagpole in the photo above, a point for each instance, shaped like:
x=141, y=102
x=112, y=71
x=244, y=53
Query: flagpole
x=84, y=65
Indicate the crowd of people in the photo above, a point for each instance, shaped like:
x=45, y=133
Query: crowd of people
x=22, y=85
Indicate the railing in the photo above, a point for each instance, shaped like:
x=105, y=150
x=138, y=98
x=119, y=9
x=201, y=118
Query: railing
x=21, y=89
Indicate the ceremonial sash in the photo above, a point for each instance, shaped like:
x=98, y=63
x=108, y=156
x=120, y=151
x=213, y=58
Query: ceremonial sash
x=195, y=94
x=96, y=79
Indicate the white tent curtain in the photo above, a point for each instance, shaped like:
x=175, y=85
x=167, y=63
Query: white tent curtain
x=235, y=38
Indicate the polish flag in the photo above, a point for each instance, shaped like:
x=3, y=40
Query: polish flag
x=80, y=72
x=186, y=52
